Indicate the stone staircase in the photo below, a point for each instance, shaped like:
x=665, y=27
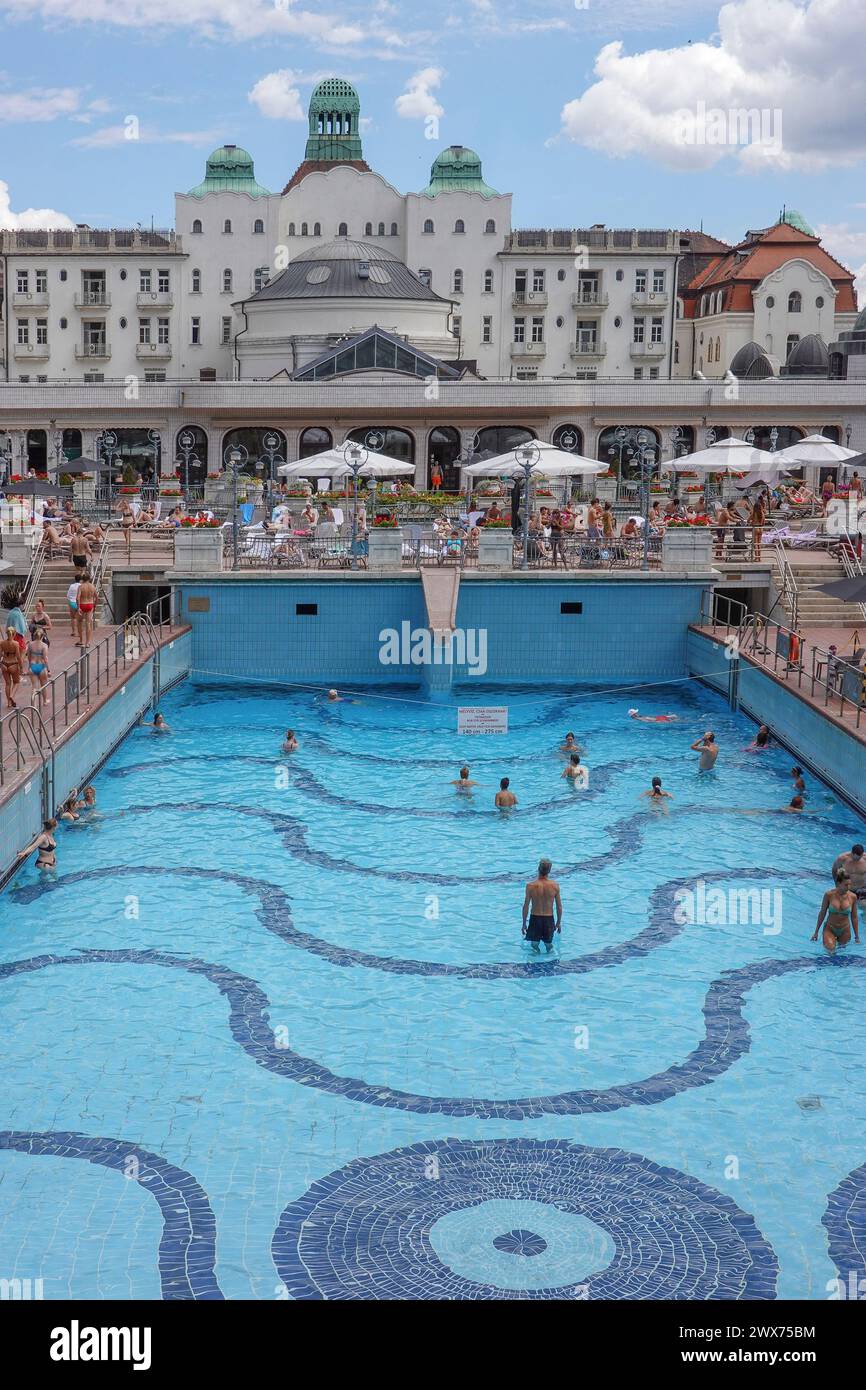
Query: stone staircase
x=814, y=609
x=56, y=579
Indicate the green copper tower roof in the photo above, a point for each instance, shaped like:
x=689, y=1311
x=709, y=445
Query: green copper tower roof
x=229, y=169
x=334, y=122
x=457, y=169
x=796, y=219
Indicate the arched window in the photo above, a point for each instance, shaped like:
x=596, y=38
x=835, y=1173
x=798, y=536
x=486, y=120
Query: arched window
x=317, y=229
x=368, y=229
x=342, y=230
x=196, y=282
x=791, y=342
x=196, y=226
x=253, y=440
x=459, y=225
x=314, y=440
x=795, y=302
x=197, y=455
x=291, y=229
x=393, y=228
x=304, y=231
x=227, y=282
x=227, y=227
x=381, y=231
x=443, y=447
x=568, y=438
x=71, y=444
x=676, y=352
x=428, y=226
x=499, y=439
x=258, y=227
x=490, y=225
x=488, y=282
x=703, y=305
x=385, y=439
x=457, y=282
x=608, y=448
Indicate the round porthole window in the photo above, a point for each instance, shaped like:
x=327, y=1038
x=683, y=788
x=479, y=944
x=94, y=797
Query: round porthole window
x=559, y=322
x=123, y=323
x=560, y=275
x=771, y=302
x=123, y=275
x=617, y=323
x=819, y=302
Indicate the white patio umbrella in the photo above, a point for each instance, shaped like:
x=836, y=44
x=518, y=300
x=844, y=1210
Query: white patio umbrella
x=552, y=462
x=727, y=456
x=818, y=449
x=332, y=464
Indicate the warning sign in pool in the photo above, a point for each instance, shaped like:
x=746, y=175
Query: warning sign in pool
x=482, y=719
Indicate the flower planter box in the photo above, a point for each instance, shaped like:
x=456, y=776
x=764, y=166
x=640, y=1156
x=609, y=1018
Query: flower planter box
x=198, y=549
x=602, y=488
x=385, y=548
x=18, y=548
x=687, y=548
x=495, y=548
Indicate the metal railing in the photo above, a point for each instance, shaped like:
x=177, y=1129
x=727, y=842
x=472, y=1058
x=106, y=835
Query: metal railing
x=787, y=583
x=773, y=645
x=24, y=732
x=851, y=563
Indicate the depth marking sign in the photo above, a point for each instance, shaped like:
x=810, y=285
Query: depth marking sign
x=482, y=719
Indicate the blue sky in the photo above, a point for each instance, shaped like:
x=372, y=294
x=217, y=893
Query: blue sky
x=578, y=128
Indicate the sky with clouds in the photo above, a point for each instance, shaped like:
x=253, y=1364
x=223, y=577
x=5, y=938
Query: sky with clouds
x=615, y=111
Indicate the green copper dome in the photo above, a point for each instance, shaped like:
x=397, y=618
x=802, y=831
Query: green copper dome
x=796, y=219
x=229, y=169
x=334, y=122
x=457, y=169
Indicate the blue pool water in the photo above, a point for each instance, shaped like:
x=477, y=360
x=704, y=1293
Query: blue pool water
x=272, y=1032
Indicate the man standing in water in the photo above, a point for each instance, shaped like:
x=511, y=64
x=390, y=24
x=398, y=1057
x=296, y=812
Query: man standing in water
x=542, y=896
x=504, y=798
x=708, y=749
x=854, y=865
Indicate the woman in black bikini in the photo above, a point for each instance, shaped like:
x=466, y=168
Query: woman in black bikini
x=839, y=907
x=46, y=844
x=12, y=663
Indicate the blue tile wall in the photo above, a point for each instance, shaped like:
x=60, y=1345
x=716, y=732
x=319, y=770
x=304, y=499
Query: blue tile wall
x=816, y=740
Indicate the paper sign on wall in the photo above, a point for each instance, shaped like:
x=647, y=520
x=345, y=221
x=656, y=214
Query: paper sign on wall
x=482, y=719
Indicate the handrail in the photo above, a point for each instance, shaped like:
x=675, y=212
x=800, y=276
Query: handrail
x=789, y=583
x=34, y=575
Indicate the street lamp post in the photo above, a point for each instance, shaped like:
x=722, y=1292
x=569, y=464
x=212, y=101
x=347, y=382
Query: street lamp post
x=155, y=440
x=186, y=444
x=527, y=455
x=270, y=458
x=617, y=450
x=234, y=458
x=646, y=456
x=6, y=457
x=356, y=456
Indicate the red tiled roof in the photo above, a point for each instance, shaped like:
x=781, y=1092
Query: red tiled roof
x=752, y=260
x=321, y=166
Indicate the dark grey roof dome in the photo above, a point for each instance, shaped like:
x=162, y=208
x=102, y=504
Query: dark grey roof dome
x=347, y=269
x=809, y=357
x=751, y=361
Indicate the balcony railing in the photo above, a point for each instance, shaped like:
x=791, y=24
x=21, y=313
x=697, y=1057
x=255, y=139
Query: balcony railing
x=31, y=352
x=92, y=299
x=154, y=299
x=650, y=299
x=30, y=299
x=648, y=349
x=153, y=352
x=526, y=299
x=88, y=351
x=528, y=349
x=589, y=299
x=595, y=347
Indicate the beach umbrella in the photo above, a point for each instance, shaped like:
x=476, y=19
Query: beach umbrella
x=30, y=487
x=550, y=461
x=727, y=456
x=84, y=465
x=817, y=449
x=852, y=590
x=332, y=464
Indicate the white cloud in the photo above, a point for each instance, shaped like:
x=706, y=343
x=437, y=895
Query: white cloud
x=242, y=19
x=800, y=63
x=31, y=219
x=848, y=245
x=418, y=101
x=277, y=96
x=111, y=136
x=44, y=104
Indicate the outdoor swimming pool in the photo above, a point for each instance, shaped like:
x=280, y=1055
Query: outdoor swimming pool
x=279, y=1011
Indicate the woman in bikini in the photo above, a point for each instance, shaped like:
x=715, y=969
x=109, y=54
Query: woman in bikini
x=127, y=521
x=40, y=619
x=839, y=907
x=12, y=662
x=656, y=796
x=37, y=655
x=46, y=844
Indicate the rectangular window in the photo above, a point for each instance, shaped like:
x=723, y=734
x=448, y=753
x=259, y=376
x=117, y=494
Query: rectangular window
x=94, y=377
x=638, y=373
x=586, y=335
x=488, y=282
x=527, y=374
x=227, y=330
x=520, y=330
x=195, y=332
x=640, y=281
x=93, y=286
x=657, y=330
x=538, y=330
x=571, y=608
x=162, y=326
x=23, y=281
x=42, y=331
x=588, y=283
x=144, y=281
x=658, y=282
x=487, y=329
x=23, y=379
x=163, y=281
x=520, y=282
x=42, y=282
x=639, y=330
x=23, y=326
x=306, y=610
x=144, y=330
x=207, y=374
x=456, y=325
x=538, y=281
x=654, y=374
x=154, y=376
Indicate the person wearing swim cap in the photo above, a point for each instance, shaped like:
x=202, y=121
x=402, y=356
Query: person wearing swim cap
x=652, y=718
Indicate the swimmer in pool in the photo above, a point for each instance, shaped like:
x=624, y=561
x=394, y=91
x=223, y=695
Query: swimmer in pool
x=575, y=773
x=570, y=745
x=290, y=743
x=653, y=718
x=795, y=804
x=46, y=845
x=464, y=783
x=708, y=749
x=504, y=799
x=853, y=862
x=799, y=784
x=760, y=741
x=839, y=907
x=159, y=725
x=540, y=900
x=657, y=797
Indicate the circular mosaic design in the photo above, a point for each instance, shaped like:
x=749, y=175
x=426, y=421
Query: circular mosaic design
x=526, y=1243
x=363, y=1232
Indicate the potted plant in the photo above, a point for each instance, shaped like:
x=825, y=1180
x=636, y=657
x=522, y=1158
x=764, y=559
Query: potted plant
x=687, y=545
x=385, y=542
x=198, y=546
x=495, y=545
